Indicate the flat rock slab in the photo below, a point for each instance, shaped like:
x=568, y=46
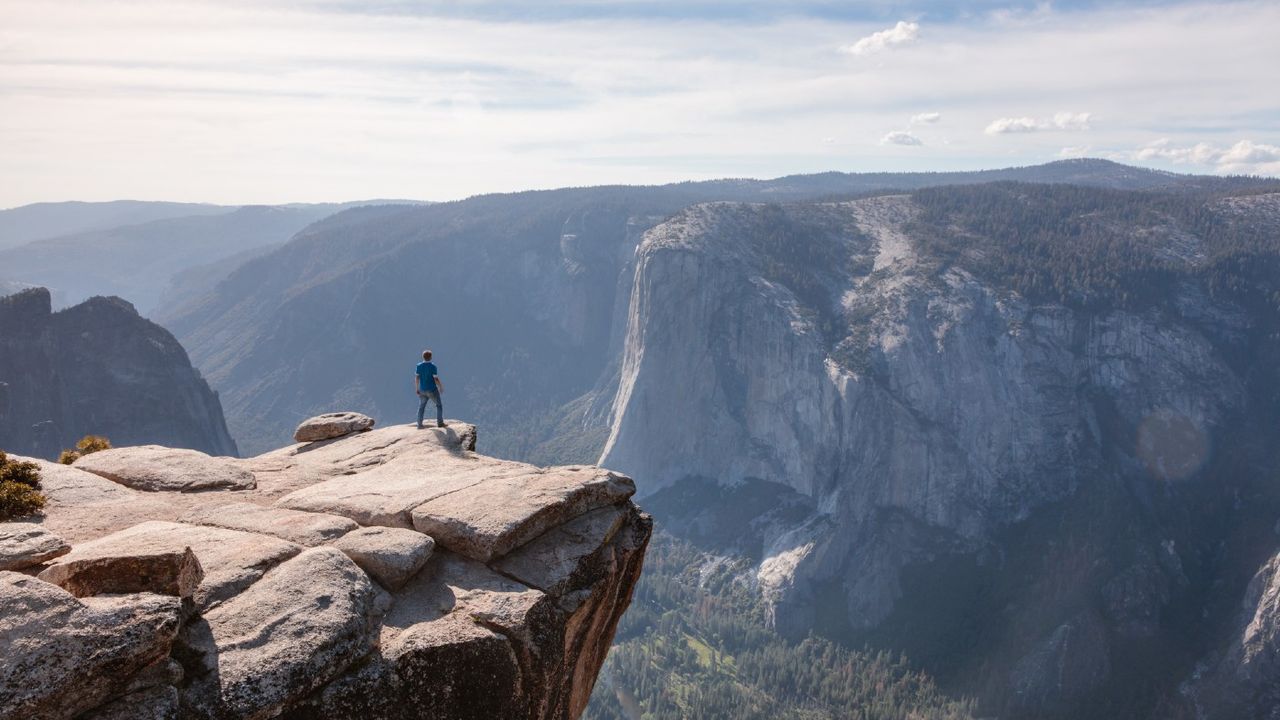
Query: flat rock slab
x=99, y=571
x=83, y=506
x=489, y=519
x=332, y=425
x=298, y=466
x=152, y=468
x=560, y=561
x=392, y=556
x=427, y=465
x=301, y=625
x=304, y=528
x=231, y=560
x=23, y=545
x=62, y=656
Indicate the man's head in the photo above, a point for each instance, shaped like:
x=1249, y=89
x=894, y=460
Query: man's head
x=426, y=354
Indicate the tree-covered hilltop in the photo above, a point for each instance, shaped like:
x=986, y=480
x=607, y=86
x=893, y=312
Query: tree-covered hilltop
x=1100, y=248
x=694, y=645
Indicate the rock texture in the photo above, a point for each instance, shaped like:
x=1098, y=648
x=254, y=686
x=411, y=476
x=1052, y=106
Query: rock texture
x=63, y=656
x=332, y=425
x=23, y=545
x=98, y=368
x=250, y=607
x=153, y=468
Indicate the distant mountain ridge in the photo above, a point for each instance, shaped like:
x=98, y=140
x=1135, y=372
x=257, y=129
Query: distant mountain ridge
x=140, y=261
x=544, y=273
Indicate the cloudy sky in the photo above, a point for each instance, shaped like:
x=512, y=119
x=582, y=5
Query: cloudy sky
x=311, y=100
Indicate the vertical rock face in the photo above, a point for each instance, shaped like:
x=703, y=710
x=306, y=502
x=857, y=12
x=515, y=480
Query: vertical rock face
x=902, y=409
x=98, y=368
x=254, y=606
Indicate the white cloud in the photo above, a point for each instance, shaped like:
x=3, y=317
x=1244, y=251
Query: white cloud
x=1075, y=151
x=900, y=34
x=1060, y=121
x=280, y=100
x=927, y=118
x=900, y=137
x=1245, y=157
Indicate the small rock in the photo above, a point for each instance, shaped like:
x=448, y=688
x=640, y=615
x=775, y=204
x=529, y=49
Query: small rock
x=154, y=468
x=90, y=571
x=391, y=555
x=231, y=560
x=332, y=425
x=305, y=528
x=23, y=545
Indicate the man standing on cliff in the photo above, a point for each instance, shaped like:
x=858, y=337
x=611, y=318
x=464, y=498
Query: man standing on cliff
x=429, y=387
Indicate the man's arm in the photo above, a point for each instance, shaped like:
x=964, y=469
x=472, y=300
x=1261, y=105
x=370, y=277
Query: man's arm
x=439, y=385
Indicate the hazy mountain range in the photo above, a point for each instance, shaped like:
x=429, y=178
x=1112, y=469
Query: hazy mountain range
x=136, y=250
x=1015, y=424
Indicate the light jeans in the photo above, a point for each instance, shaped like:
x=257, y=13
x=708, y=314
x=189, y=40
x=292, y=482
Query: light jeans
x=423, y=399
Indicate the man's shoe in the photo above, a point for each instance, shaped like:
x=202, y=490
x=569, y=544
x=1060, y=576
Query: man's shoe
x=440, y=424
x=420, y=426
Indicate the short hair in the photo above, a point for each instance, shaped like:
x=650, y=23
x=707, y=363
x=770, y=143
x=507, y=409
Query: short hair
x=426, y=354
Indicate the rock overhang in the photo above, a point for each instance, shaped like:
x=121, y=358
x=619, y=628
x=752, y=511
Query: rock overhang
x=425, y=543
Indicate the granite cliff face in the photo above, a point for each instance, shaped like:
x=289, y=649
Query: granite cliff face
x=390, y=574
x=880, y=418
x=98, y=368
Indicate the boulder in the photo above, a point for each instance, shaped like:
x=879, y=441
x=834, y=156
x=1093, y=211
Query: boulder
x=231, y=560
x=152, y=468
x=303, y=624
x=332, y=425
x=25, y=544
x=489, y=519
x=304, y=528
x=100, y=571
x=63, y=656
x=390, y=555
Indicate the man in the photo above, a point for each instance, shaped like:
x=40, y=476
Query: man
x=429, y=387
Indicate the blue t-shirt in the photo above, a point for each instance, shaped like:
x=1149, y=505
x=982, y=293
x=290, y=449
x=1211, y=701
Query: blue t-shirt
x=426, y=376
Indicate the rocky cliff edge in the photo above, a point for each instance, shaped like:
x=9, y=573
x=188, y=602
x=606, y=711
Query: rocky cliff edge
x=387, y=574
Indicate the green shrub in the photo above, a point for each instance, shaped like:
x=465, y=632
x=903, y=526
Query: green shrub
x=87, y=444
x=18, y=500
x=92, y=444
x=19, y=488
x=22, y=473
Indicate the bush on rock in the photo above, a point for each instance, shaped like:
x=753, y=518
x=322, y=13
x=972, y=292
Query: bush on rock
x=87, y=445
x=19, y=488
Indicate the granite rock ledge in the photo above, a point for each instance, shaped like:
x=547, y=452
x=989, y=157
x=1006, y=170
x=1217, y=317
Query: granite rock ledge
x=390, y=574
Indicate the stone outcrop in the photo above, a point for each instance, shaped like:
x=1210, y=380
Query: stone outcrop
x=153, y=468
x=243, y=601
x=98, y=368
x=332, y=425
x=1242, y=681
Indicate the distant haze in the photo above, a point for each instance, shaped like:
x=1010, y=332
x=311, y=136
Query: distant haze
x=321, y=100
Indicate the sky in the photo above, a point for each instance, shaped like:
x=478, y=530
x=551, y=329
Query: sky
x=267, y=101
